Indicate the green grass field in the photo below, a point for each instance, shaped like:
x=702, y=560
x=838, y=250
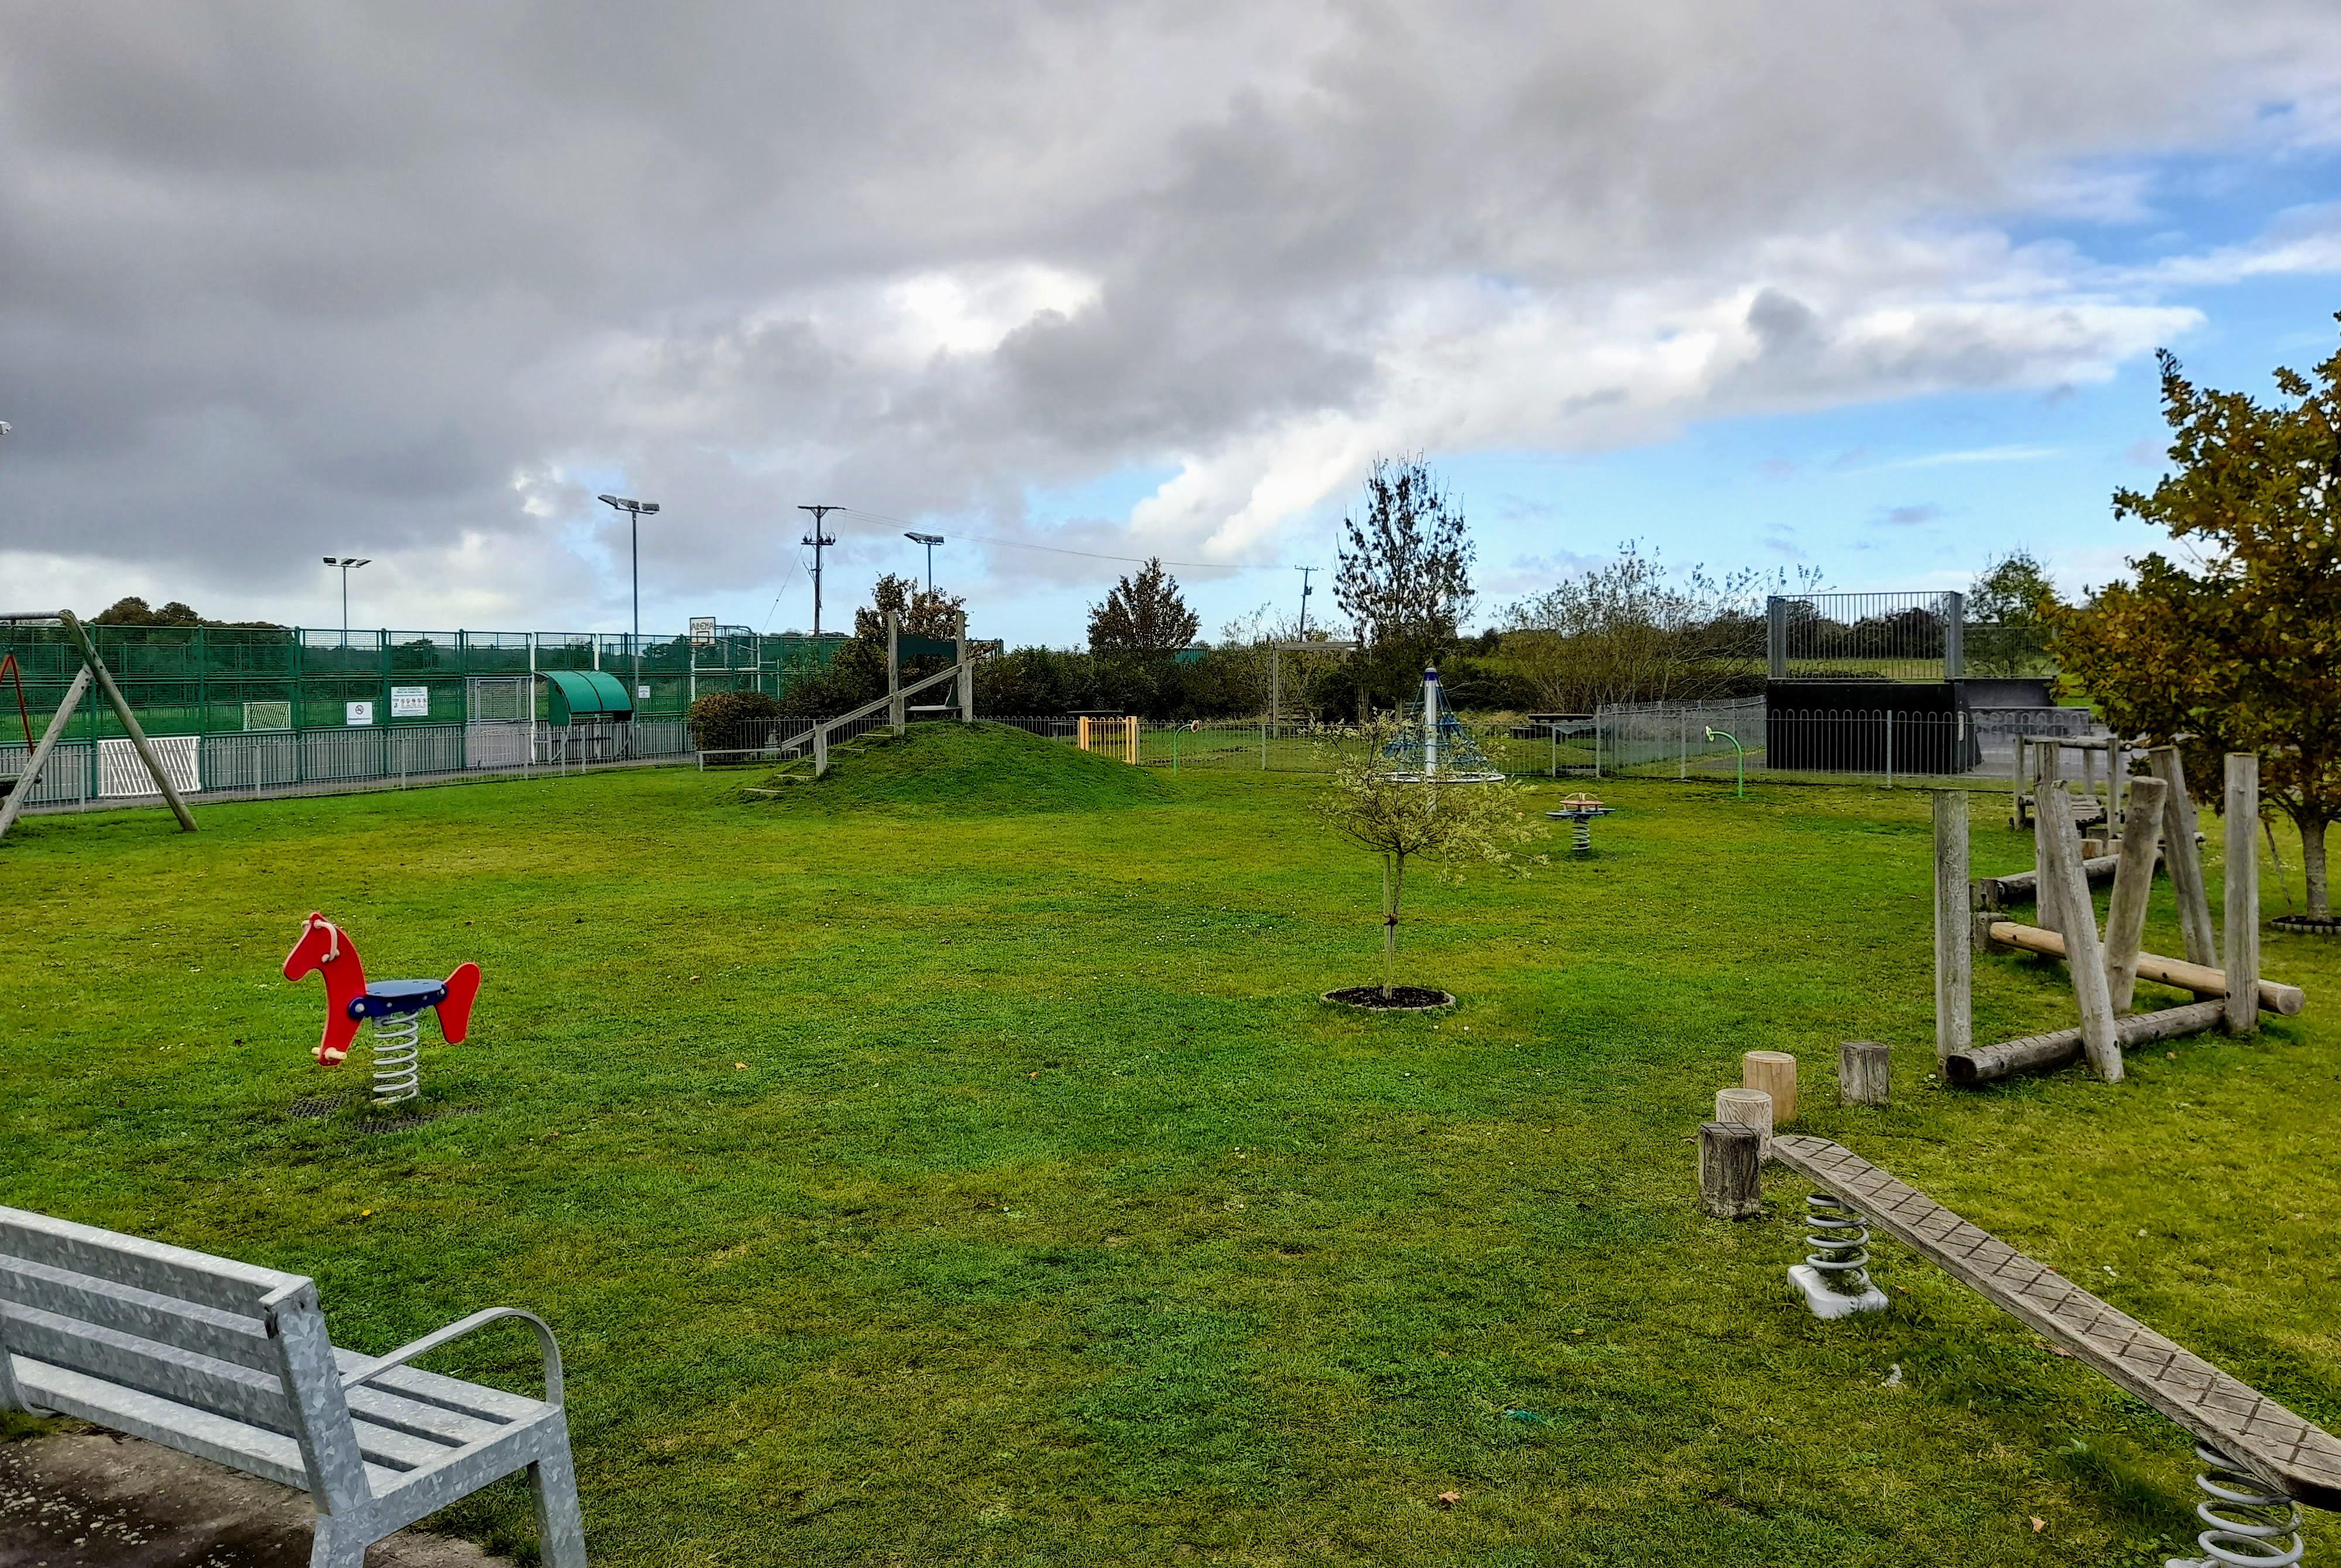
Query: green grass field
x=922, y=1177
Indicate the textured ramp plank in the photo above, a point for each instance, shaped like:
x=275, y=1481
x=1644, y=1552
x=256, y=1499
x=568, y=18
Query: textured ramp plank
x=2301, y=1459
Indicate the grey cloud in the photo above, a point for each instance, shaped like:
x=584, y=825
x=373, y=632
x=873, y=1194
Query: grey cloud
x=389, y=278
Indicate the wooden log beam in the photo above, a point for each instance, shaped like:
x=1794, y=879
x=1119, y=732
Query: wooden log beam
x=2023, y=886
x=2240, y=931
x=2133, y=885
x=2062, y=1047
x=2275, y=996
x=2183, y=857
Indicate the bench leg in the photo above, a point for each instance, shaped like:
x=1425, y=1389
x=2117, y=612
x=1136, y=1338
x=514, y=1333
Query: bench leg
x=560, y=1526
x=338, y=1545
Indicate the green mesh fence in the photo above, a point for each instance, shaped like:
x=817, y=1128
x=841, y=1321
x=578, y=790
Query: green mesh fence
x=212, y=679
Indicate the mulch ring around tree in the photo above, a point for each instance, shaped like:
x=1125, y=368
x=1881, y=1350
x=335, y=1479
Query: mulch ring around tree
x=2308, y=925
x=1399, y=999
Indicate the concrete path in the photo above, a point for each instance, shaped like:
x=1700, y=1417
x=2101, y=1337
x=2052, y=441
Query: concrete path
x=102, y=1502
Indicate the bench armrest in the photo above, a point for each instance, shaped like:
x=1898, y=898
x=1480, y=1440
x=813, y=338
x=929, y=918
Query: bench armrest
x=377, y=1366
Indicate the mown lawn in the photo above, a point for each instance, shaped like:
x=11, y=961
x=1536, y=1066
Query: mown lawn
x=926, y=1183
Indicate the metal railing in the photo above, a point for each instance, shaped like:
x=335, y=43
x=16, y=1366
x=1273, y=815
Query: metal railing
x=1971, y=747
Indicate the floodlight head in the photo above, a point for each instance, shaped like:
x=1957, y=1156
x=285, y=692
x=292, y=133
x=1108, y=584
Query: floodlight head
x=628, y=504
x=917, y=538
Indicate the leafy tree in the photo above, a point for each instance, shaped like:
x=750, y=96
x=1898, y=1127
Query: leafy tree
x=2239, y=648
x=857, y=670
x=134, y=611
x=2008, y=611
x=1454, y=826
x=1403, y=575
x=1631, y=631
x=1143, y=614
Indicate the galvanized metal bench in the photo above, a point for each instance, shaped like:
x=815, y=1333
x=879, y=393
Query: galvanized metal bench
x=232, y=1362
x=2245, y=1436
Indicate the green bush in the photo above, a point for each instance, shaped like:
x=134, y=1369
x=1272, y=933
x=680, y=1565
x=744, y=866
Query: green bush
x=732, y=720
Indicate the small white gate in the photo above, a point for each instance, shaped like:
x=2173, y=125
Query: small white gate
x=120, y=772
x=499, y=720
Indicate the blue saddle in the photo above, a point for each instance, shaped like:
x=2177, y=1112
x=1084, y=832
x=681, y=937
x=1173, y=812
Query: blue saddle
x=396, y=998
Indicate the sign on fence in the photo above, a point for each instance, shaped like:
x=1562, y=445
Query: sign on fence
x=410, y=702
x=357, y=712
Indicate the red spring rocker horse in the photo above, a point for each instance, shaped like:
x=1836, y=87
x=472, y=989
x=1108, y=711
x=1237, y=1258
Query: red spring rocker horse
x=394, y=1007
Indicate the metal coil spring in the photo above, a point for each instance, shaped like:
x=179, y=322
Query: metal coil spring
x=1584, y=835
x=397, y=1072
x=2251, y=1526
x=1838, y=1238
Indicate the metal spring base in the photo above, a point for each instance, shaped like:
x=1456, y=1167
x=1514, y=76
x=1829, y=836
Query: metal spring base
x=2251, y=1526
x=1835, y=1276
x=397, y=1065
x=1584, y=835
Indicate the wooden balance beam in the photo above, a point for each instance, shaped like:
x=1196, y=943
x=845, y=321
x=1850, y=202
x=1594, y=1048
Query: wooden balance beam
x=2302, y=1461
x=2274, y=996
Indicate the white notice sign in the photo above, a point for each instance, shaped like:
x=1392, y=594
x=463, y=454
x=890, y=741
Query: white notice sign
x=357, y=712
x=641, y=694
x=410, y=702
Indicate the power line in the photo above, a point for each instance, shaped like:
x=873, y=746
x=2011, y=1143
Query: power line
x=1085, y=554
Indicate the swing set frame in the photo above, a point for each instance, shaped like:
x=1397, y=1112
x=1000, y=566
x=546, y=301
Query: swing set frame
x=93, y=672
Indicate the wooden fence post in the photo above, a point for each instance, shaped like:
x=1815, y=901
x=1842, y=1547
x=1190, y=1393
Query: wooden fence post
x=1774, y=1072
x=1730, y=1171
x=1864, y=1072
x=1954, y=933
x=2241, y=931
x=2133, y=885
x=2183, y=857
x=2084, y=955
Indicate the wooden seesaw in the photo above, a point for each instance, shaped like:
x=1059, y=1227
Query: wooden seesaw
x=2105, y=968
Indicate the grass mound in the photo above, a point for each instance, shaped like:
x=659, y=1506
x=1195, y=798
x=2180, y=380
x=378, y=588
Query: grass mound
x=965, y=767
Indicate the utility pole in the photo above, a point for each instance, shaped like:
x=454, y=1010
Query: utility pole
x=820, y=541
x=1305, y=592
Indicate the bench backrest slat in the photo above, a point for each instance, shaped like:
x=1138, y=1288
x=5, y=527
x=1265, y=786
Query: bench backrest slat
x=221, y=1387
x=184, y=1324
x=171, y=1271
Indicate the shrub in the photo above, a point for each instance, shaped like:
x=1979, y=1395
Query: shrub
x=732, y=720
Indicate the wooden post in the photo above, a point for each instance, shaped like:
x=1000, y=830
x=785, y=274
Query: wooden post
x=1774, y=1072
x=2133, y=885
x=2184, y=857
x=2085, y=955
x=2118, y=799
x=1954, y=941
x=1865, y=1072
x=1730, y=1171
x=2023, y=758
x=2046, y=890
x=895, y=714
x=966, y=683
x=2241, y=929
x=820, y=750
x=1747, y=1109
x=121, y=706
x=14, y=803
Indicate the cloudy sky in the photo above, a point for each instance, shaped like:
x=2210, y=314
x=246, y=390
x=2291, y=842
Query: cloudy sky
x=1873, y=287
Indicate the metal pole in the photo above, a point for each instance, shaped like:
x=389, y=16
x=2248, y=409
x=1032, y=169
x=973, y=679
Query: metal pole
x=634, y=546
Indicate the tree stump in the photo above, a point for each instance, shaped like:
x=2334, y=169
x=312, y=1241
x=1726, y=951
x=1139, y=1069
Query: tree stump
x=1864, y=1072
x=1774, y=1072
x=1730, y=1171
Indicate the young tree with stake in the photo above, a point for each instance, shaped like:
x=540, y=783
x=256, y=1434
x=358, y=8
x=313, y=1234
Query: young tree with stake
x=1453, y=825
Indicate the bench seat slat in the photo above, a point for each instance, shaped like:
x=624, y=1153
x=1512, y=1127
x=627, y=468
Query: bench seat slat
x=2303, y=1459
x=472, y=1399
x=235, y=1444
x=171, y=1271
x=448, y=1427
x=206, y=1330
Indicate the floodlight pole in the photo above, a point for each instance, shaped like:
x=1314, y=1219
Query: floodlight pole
x=929, y=541
x=634, y=510
x=1305, y=592
x=347, y=563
